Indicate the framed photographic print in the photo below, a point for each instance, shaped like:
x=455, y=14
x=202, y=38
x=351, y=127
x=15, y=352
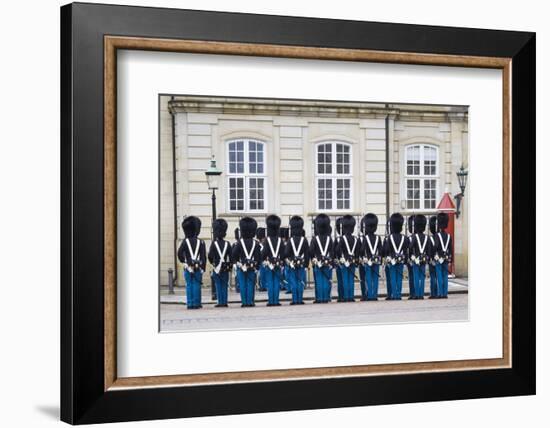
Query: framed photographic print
x=278, y=213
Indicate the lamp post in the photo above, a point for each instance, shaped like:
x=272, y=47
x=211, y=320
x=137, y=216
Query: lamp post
x=462, y=175
x=212, y=178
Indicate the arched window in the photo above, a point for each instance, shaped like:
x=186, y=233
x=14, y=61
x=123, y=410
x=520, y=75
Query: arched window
x=333, y=176
x=421, y=176
x=246, y=175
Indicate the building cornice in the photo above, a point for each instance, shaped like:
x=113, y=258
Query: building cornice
x=311, y=108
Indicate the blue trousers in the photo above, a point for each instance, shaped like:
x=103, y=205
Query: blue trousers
x=262, y=282
x=273, y=284
x=419, y=275
x=362, y=282
x=296, y=278
x=348, y=282
x=237, y=285
x=323, y=283
x=285, y=284
x=339, y=284
x=442, y=272
x=388, y=281
x=396, y=280
x=193, y=288
x=433, y=281
x=412, y=290
x=221, y=282
x=371, y=278
x=246, y=282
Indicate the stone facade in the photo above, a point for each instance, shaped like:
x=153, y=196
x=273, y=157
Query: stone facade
x=291, y=131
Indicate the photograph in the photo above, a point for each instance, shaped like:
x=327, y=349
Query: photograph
x=281, y=213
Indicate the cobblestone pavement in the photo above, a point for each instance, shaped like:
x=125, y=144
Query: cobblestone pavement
x=175, y=317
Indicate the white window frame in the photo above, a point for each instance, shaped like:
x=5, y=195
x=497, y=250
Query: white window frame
x=246, y=174
x=421, y=177
x=334, y=176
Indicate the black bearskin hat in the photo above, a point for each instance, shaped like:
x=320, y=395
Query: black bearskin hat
x=191, y=226
x=296, y=224
x=396, y=223
x=433, y=224
x=339, y=225
x=248, y=227
x=322, y=225
x=219, y=228
x=260, y=233
x=442, y=220
x=370, y=223
x=420, y=223
x=348, y=224
x=237, y=234
x=410, y=223
x=273, y=224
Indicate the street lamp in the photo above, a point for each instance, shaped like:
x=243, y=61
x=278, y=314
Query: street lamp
x=213, y=178
x=462, y=175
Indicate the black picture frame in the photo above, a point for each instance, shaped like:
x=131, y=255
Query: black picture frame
x=83, y=398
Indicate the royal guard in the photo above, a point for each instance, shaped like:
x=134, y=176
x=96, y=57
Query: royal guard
x=296, y=255
x=410, y=269
x=260, y=236
x=246, y=256
x=419, y=250
x=284, y=234
x=372, y=255
x=219, y=256
x=272, y=259
x=384, y=259
x=395, y=251
x=339, y=282
x=235, y=270
x=361, y=269
x=442, y=255
x=322, y=258
x=192, y=253
x=348, y=253
x=431, y=254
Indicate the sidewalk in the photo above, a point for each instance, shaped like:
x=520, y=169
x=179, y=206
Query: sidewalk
x=456, y=286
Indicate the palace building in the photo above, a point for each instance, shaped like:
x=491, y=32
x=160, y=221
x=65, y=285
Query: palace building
x=297, y=157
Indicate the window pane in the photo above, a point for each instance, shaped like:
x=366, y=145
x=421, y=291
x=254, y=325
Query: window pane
x=413, y=160
x=342, y=159
x=324, y=159
x=256, y=193
x=429, y=193
x=343, y=186
x=236, y=157
x=324, y=193
x=413, y=194
x=236, y=193
x=255, y=157
x=430, y=160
